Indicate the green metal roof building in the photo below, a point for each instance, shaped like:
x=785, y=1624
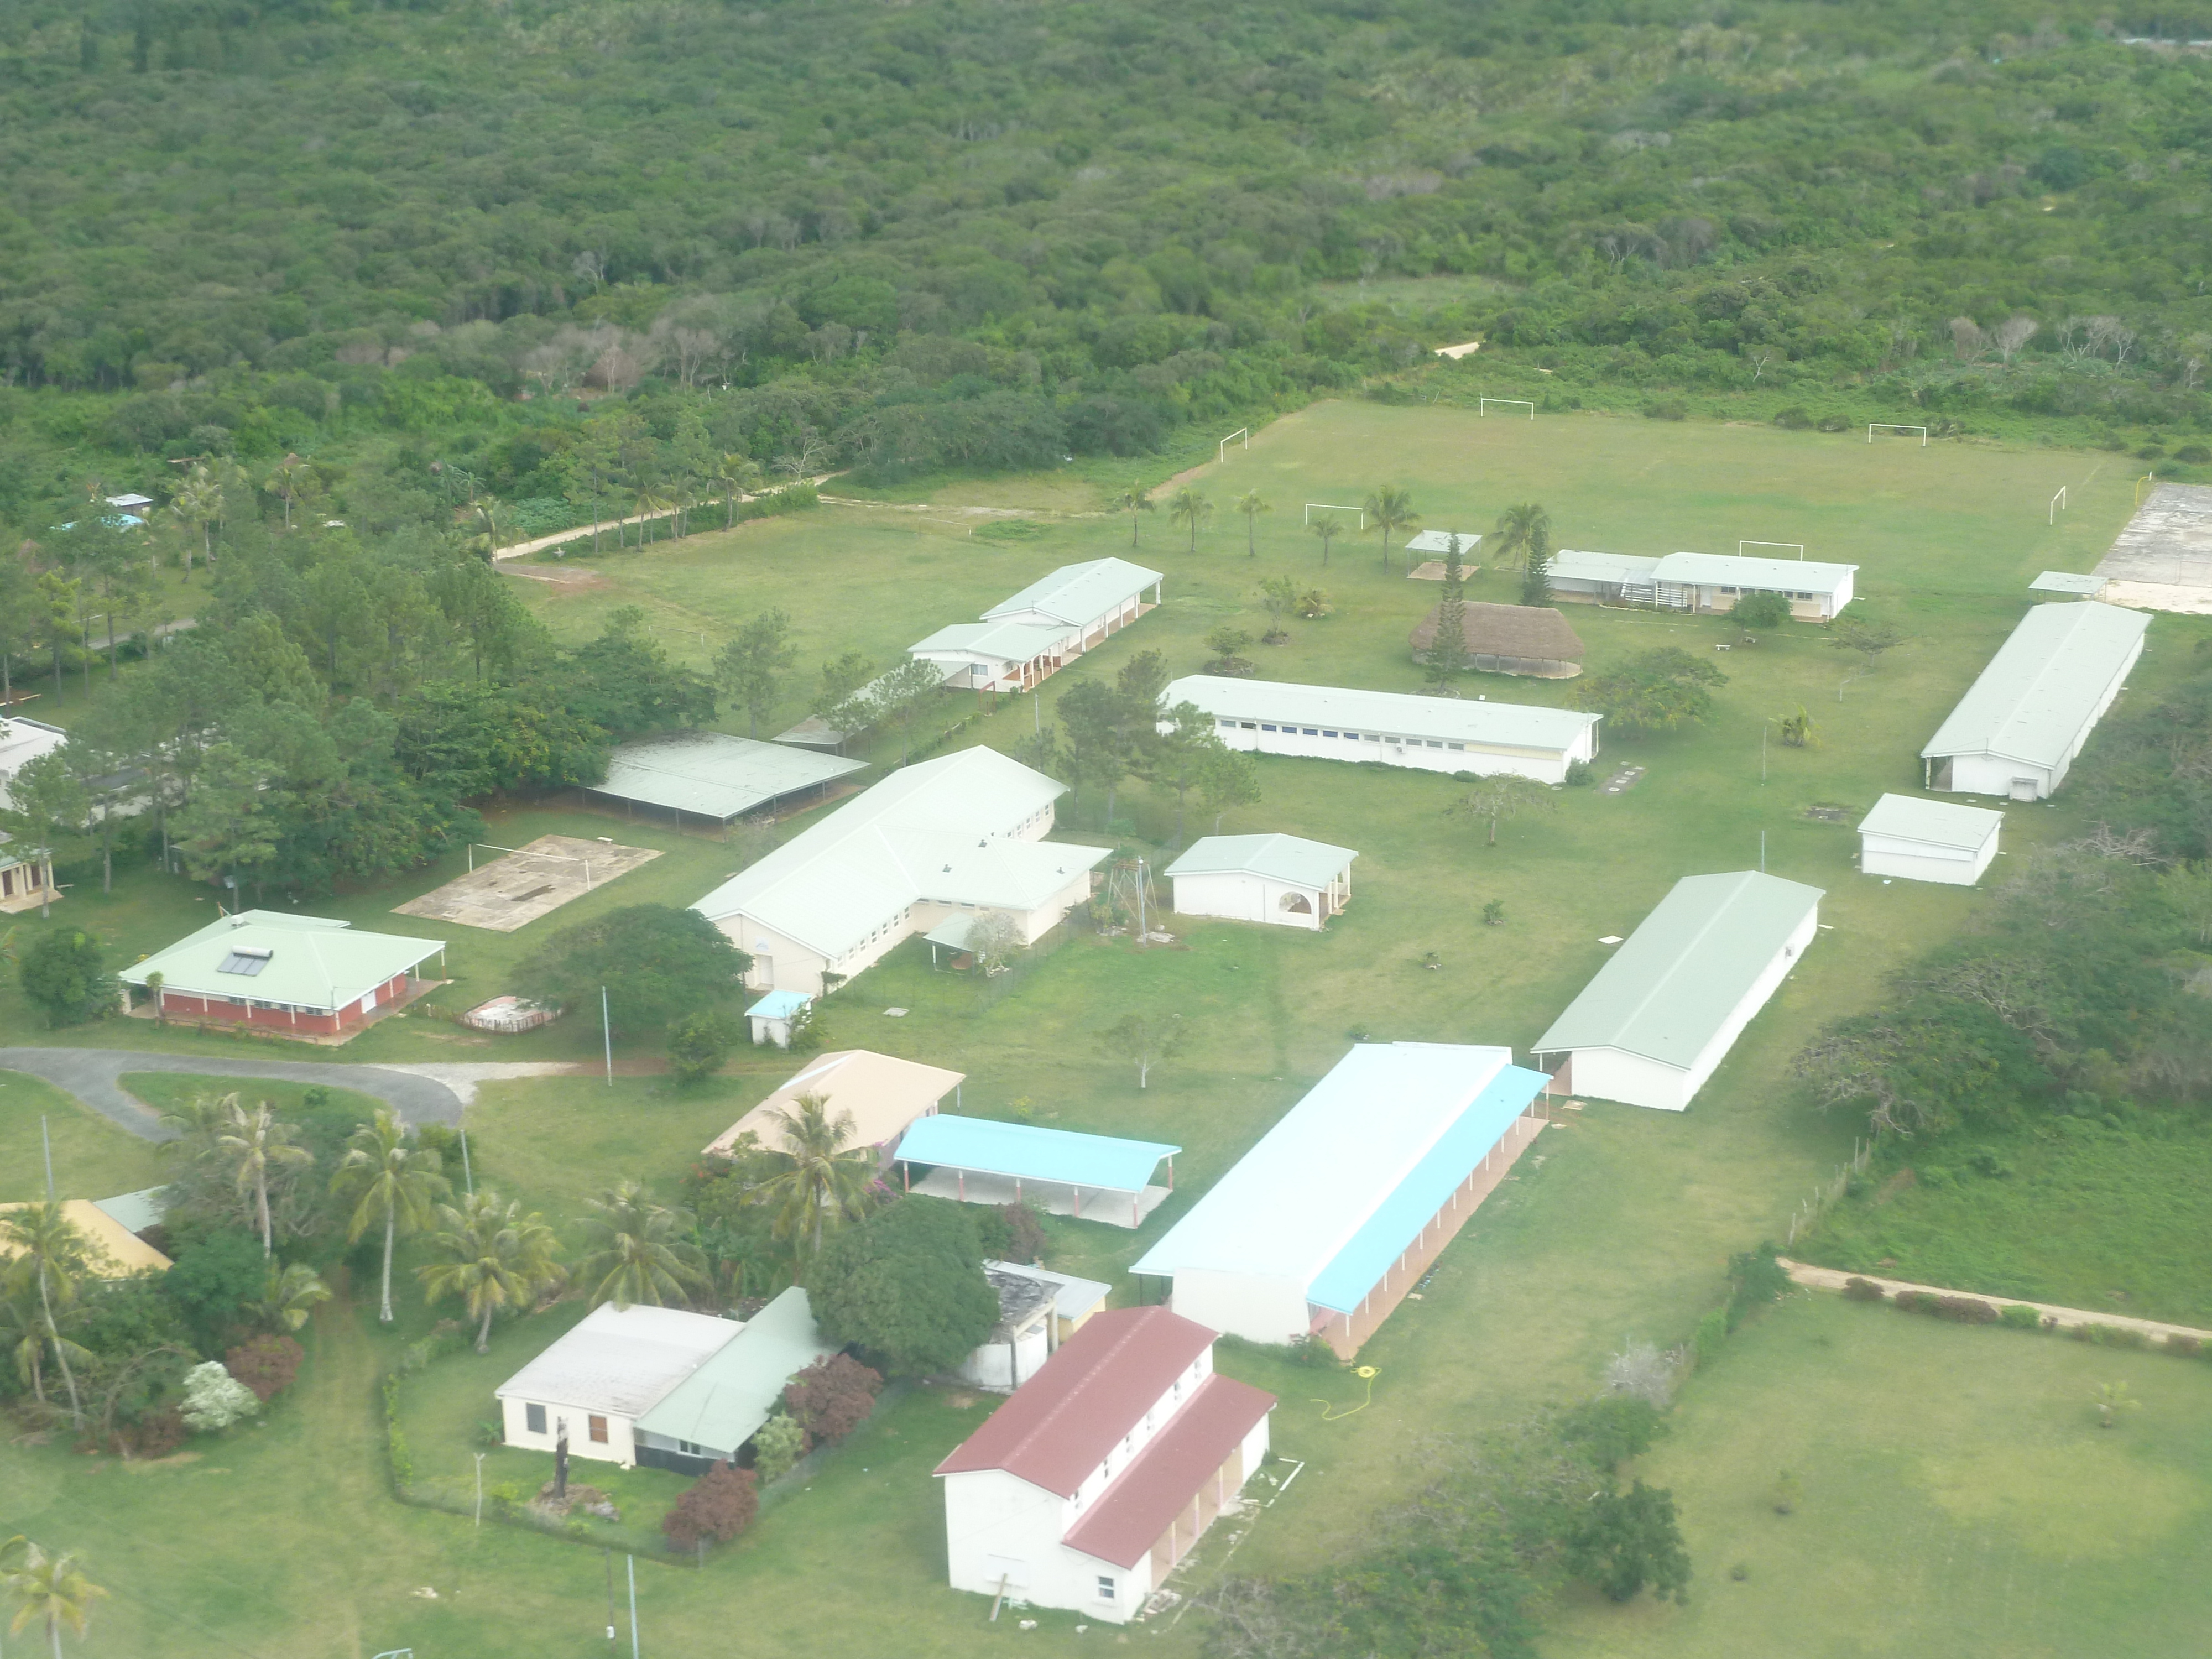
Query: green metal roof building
x=1285, y=879
x=281, y=970
x=715, y=776
x=712, y=1412
x=1650, y=1029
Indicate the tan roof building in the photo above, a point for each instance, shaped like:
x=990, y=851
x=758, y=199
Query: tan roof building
x=1511, y=638
x=116, y=1250
x=884, y=1094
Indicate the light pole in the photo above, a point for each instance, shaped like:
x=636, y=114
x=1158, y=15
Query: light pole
x=606, y=1033
x=480, y=1457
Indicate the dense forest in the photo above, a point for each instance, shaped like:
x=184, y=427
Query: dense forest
x=461, y=250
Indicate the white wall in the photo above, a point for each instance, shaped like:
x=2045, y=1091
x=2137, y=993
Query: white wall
x=1769, y=977
x=1243, y=896
x=1610, y=1075
x=1256, y=1308
x=1993, y=774
x=995, y=1522
x=1003, y=1365
x=1429, y=755
x=1883, y=856
x=620, y=1448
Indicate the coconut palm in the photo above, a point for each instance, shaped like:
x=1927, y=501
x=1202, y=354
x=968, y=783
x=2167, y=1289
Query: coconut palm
x=1328, y=527
x=198, y=505
x=639, y=1252
x=1524, y=535
x=51, y=1590
x=736, y=473
x=1392, y=509
x=1251, y=507
x=388, y=1180
x=289, y=1293
x=495, y=1257
x=820, y=1181
x=1188, y=506
x=26, y=1334
x=254, y=1143
x=1133, y=501
x=51, y=1254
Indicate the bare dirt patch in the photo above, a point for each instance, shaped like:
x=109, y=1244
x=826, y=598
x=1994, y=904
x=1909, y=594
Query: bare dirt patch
x=511, y=892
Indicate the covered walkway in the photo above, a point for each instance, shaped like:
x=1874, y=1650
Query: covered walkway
x=975, y=1160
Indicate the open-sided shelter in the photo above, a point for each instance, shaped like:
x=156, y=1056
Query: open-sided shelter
x=963, y=832
x=1325, y=1223
x=712, y=777
x=1393, y=728
x=1086, y=1488
x=1285, y=879
x=1709, y=582
x=1649, y=1029
x=881, y=1093
x=1508, y=639
x=2020, y=726
x=1929, y=840
x=1030, y=634
x=980, y=1160
x=280, y=969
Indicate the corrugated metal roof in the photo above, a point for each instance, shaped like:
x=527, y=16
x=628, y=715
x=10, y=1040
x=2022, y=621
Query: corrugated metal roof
x=1292, y=1204
x=1398, y=1221
x=312, y=962
x=731, y=1395
x=1937, y=822
x=136, y=1212
x=1282, y=857
x=1073, y=1298
x=1569, y=565
x=1769, y=575
x=1061, y=1424
x=1135, y=1509
x=1673, y=984
x=858, y=869
x=2067, y=581
x=882, y=1092
x=714, y=775
x=1027, y=1153
x=779, y=1005
x=619, y=1362
x=1455, y=719
x=2033, y=701
x=1438, y=542
x=991, y=642
x=1078, y=593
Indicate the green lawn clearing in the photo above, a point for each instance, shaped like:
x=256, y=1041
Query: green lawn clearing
x=92, y=1157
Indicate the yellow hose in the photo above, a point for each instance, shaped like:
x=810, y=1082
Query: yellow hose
x=1330, y=1414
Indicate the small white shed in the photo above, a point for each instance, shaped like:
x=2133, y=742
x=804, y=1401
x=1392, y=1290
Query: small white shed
x=776, y=1015
x=1285, y=879
x=1929, y=840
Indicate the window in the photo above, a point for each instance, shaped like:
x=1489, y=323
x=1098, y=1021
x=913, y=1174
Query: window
x=1435, y=742
x=246, y=961
x=1329, y=734
x=1249, y=727
x=1270, y=728
x=1456, y=745
x=1728, y=590
x=533, y=1418
x=598, y=1428
x=688, y=1447
x=1226, y=725
x=1105, y=1588
x=1373, y=738
x=1310, y=732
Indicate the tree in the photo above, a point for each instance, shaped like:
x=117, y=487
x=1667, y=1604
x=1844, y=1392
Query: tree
x=833, y=1396
x=1448, y=647
x=230, y=827
x=904, y=695
x=698, y=1044
x=1501, y=795
x=817, y=1179
x=1227, y=777
x=218, y=1274
x=494, y=1256
x=1144, y=1041
x=215, y=1399
x=1094, y=717
x=1523, y=535
x=1133, y=500
x=907, y=1287
x=390, y=1182
x=290, y=1292
x=256, y=1144
x=267, y=1365
x=638, y=1250
x=736, y=473
x=1228, y=643
x=778, y=1444
x=1277, y=595
x=198, y=505
x=1328, y=527
x=1869, y=639
x=1251, y=507
x=291, y=479
x=994, y=938
x=1314, y=603
x=1625, y=1541
x=64, y=975
x=659, y=962
x=51, y=1590
x=1179, y=754
x=1653, y=692
x=1760, y=610
x=839, y=704
x=1392, y=509
x=52, y=1253
x=720, y=1505
x=1537, y=580
x=751, y=668
x=50, y=807
x=1188, y=506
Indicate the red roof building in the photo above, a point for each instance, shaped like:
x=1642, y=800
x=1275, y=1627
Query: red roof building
x=1086, y=1487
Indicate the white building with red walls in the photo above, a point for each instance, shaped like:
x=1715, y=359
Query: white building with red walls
x=308, y=974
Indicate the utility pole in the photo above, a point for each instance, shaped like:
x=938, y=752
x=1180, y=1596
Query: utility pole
x=606, y=1031
x=610, y=1556
x=633, y=1606
x=46, y=1138
x=480, y=1458
x=467, y=1174
x=1143, y=926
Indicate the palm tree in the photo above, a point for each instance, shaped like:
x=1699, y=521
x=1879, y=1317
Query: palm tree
x=1524, y=534
x=50, y=1250
x=1189, y=506
x=388, y=1180
x=639, y=1253
x=198, y=504
x=648, y=502
x=1328, y=527
x=1392, y=509
x=1133, y=501
x=257, y=1142
x=52, y=1589
x=1251, y=507
x=26, y=1334
x=736, y=473
x=289, y=1293
x=820, y=1181
x=496, y=1257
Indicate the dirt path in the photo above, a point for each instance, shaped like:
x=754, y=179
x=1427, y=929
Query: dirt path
x=2065, y=1319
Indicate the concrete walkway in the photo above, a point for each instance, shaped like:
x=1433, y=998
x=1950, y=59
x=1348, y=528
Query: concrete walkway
x=2064, y=1319
x=93, y=1075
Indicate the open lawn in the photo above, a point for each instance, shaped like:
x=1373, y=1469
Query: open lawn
x=1957, y=1497
x=1617, y=1224
x=92, y=1157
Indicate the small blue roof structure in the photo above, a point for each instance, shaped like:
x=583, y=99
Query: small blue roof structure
x=778, y=1004
x=1025, y=1152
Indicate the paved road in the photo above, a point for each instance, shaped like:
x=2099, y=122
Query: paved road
x=92, y=1074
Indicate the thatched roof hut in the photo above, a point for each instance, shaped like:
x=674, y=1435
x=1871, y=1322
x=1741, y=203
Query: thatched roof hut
x=1511, y=638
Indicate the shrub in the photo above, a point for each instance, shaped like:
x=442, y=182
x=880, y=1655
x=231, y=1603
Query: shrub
x=1012, y=1232
x=158, y=1433
x=1835, y=423
x=2187, y=1346
x=267, y=1365
x=2120, y=1336
x=832, y=1397
x=1624, y=1541
x=778, y=1444
x=1760, y=610
x=1578, y=774
x=2192, y=453
x=698, y=1043
x=720, y=1505
x=1967, y=1310
x=1760, y=1280
x=213, y=1399
x=1861, y=1290
x=1795, y=418
x=1666, y=409
x=1712, y=1333
x=1611, y=1430
x=65, y=977
x=1915, y=1302
x=2018, y=1317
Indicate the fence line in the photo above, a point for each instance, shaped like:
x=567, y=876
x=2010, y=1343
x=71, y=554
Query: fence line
x=1808, y=1214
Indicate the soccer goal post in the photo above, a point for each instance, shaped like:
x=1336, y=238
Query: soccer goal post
x=1874, y=427
x=1336, y=507
x=1243, y=432
x=1799, y=547
x=1482, y=405
x=2057, y=502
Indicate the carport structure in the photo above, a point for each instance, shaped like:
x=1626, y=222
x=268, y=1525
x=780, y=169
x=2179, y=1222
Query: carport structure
x=977, y=1160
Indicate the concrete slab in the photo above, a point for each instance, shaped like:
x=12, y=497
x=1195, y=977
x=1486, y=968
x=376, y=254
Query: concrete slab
x=512, y=892
x=2162, y=559
x=1085, y=1203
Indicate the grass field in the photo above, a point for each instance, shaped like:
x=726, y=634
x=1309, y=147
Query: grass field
x=1618, y=1224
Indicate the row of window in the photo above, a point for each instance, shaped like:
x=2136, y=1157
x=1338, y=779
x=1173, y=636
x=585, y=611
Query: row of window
x=533, y=1418
x=1349, y=737
x=1769, y=590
